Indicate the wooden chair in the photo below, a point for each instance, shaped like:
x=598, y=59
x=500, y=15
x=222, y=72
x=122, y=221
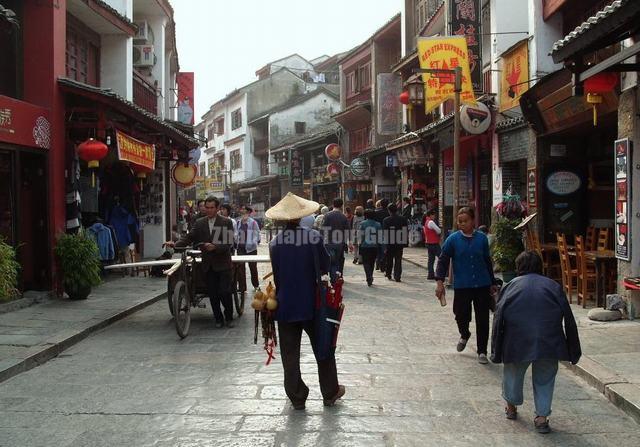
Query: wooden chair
x=586, y=274
x=550, y=263
x=604, y=234
x=591, y=242
x=569, y=274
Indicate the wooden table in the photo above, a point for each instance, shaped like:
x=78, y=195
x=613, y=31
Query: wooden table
x=601, y=258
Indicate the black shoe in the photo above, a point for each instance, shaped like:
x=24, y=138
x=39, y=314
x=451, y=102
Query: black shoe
x=388, y=277
x=331, y=402
x=369, y=283
x=298, y=406
x=398, y=280
x=230, y=324
x=431, y=278
x=219, y=324
x=462, y=343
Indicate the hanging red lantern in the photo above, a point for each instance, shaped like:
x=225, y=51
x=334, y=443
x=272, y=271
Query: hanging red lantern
x=596, y=86
x=141, y=173
x=404, y=97
x=92, y=151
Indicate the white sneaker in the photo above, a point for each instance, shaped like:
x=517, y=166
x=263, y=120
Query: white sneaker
x=482, y=359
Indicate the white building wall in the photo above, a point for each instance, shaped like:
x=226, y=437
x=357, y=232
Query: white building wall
x=544, y=35
x=241, y=174
x=295, y=63
x=159, y=24
x=116, y=64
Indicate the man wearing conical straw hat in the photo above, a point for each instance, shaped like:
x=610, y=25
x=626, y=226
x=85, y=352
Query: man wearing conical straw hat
x=295, y=253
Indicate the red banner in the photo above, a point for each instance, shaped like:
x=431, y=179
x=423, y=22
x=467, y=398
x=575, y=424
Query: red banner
x=135, y=151
x=185, y=97
x=24, y=124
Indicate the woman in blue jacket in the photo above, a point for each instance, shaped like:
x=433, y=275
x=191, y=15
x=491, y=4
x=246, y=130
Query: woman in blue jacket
x=368, y=235
x=528, y=330
x=473, y=280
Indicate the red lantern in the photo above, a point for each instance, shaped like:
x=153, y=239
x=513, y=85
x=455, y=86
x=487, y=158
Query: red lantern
x=92, y=151
x=404, y=97
x=596, y=86
x=141, y=172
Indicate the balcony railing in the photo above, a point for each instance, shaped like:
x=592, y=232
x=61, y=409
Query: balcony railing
x=145, y=94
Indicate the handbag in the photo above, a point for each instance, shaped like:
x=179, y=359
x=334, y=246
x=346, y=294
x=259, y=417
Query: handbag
x=327, y=315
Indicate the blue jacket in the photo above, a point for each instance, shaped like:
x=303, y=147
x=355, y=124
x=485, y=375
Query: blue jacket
x=294, y=272
x=102, y=236
x=527, y=325
x=369, y=234
x=472, y=266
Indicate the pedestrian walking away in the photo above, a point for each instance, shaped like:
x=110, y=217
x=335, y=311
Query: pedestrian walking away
x=473, y=280
x=336, y=227
x=528, y=331
x=293, y=252
x=358, y=218
x=368, y=243
x=381, y=213
x=396, y=237
x=432, y=234
x=214, y=235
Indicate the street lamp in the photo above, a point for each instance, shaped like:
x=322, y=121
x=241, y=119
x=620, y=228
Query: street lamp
x=416, y=90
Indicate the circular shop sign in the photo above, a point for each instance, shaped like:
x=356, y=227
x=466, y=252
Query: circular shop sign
x=184, y=174
x=475, y=119
x=333, y=151
x=333, y=169
x=358, y=167
x=563, y=183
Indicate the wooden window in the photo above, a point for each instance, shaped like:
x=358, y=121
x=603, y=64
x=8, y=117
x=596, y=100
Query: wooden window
x=364, y=76
x=219, y=126
x=300, y=126
x=236, y=159
x=210, y=133
x=82, y=53
x=202, y=169
x=352, y=84
x=236, y=119
x=359, y=140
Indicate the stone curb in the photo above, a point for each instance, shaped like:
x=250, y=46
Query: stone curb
x=37, y=355
x=616, y=388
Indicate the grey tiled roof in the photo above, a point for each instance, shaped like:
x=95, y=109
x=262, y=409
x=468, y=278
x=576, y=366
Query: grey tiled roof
x=315, y=134
x=426, y=130
x=509, y=123
x=108, y=93
x=116, y=13
x=589, y=24
x=8, y=15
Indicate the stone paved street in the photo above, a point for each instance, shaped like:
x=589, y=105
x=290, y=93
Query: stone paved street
x=136, y=383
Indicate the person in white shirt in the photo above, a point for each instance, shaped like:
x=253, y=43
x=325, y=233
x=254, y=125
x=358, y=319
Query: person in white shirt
x=432, y=234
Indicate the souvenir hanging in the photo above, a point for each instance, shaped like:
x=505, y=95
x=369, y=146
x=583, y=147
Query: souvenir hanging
x=265, y=305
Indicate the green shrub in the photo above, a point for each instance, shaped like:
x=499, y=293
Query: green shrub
x=507, y=244
x=79, y=260
x=9, y=269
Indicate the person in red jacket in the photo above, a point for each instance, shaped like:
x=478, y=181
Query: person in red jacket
x=432, y=233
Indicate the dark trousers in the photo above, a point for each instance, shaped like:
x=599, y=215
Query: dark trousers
x=380, y=258
x=433, y=250
x=218, y=286
x=253, y=268
x=393, y=260
x=368, y=261
x=290, y=339
x=336, y=264
x=462, y=299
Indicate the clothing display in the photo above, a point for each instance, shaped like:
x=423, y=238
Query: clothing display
x=102, y=236
x=123, y=222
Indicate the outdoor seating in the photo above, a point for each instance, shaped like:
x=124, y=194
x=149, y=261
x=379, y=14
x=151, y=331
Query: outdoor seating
x=604, y=235
x=569, y=274
x=586, y=274
x=591, y=241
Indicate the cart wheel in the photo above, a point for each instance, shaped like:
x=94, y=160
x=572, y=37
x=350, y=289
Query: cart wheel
x=170, y=297
x=182, y=309
x=238, y=299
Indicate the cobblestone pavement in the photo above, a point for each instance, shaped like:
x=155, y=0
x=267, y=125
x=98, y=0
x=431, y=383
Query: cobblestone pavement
x=136, y=383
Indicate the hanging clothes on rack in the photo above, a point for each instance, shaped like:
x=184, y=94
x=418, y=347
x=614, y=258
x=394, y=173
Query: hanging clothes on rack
x=102, y=236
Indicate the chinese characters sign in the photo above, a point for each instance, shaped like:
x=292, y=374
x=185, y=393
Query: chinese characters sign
x=465, y=22
x=296, y=176
x=135, y=151
x=23, y=123
x=515, y=70
x=623, y=199
x=214, y=182
x=444, y=54
x=389, y=108
x=185, y=97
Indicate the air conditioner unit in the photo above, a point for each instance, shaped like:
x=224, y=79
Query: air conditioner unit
x=143, y=56
x=144, y=32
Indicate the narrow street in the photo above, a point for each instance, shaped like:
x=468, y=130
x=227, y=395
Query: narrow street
x=136, y=383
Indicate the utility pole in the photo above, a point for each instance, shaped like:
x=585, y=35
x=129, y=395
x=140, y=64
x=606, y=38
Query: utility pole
x=456, y=144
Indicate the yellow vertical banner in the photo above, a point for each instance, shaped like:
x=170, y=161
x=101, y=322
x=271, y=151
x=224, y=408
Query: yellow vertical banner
x=515, y=70
x=444, y=53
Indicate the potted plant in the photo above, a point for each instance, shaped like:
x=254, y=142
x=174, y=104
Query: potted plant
x=79, y=263
x=9, y=269
x=507, y=243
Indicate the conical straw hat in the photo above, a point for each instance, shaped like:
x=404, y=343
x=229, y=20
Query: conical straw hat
x=292, y=207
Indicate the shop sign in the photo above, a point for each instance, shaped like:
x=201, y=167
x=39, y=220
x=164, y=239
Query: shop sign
x=623, y=198
x=532, y=187
x=359, y=167
x=444, y=53
x=333, y=152
x=558, y=150
x=465, y=22
x=475, y=119
x=333, y=169
x=389, y=87
x=24, y=124
x=463, y=191
x=391, y=161
x=135, y=151
x=184, y=174
x=185, y=97
x=295, y=160
x=496, y=173
x=514, y=75
x=201, y=186
x=563, y=183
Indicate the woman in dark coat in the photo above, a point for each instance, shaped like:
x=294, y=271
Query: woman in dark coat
x=296, y=255
x=528, y=330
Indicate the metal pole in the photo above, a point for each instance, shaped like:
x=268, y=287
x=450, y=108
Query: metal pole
x=456, y=144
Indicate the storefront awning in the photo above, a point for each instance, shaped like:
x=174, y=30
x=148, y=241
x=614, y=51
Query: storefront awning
x=248, y=186
x=108, y=97
x=355, y=116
